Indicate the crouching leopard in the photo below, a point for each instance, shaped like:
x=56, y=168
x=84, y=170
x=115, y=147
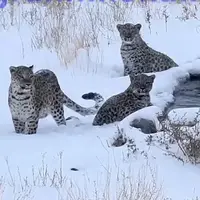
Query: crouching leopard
x=119, y=106
x=33, y=96
x=137, y=56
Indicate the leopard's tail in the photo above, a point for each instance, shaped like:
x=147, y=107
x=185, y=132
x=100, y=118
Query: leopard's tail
x=99, y=100
x=82, y=110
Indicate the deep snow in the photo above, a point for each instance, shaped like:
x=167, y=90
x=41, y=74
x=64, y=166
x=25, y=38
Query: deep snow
x=86, y=147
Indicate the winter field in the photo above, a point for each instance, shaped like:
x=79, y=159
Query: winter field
x=79, y=42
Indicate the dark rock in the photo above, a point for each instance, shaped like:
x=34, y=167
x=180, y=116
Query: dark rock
x=74, y=169
x=147, y=126
x=68, y=118
x=72, y=118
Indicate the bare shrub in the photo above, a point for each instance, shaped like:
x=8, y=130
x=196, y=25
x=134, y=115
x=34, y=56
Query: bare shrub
x=141, y=187
x=189, y=11
x=120, y=138
x=186, y=137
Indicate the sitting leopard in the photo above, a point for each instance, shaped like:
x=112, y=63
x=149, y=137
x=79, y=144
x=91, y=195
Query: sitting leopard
x=33, y=96
x=137, y=56
x=119, y=106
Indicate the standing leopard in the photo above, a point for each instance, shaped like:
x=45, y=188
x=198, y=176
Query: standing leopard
x=119, y=106
x=33, y=96
x=137, y=56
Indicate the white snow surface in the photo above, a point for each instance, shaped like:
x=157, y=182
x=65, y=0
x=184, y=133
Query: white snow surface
x=84, y=146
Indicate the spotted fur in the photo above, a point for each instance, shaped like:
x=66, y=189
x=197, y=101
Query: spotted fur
x=137, y=56
x=33, y=96
x=119, y=106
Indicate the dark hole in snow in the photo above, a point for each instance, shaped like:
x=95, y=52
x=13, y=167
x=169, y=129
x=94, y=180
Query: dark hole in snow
x=74, y=169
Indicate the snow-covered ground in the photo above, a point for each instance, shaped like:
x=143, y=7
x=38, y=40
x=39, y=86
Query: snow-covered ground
x=38, y=166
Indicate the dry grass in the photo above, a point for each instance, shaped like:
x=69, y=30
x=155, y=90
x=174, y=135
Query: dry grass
x=67, y=27
x=122, y=185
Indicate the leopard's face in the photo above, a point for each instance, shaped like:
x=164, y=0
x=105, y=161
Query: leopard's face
x=142, y=83
x=128, y=31
x=22, y=77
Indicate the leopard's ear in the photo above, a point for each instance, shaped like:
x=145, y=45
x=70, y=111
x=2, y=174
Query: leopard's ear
x=119, y=27
x=12, y=69
x=152, y=77
x=138, y=27
x=31, y=67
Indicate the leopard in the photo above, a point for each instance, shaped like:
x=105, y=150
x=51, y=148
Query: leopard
x=137, y=56
x=35, y=95
x=119, y=106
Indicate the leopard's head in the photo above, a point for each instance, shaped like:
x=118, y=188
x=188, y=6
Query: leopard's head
x=22, y=77
x=142, y=83
x=128, y=31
